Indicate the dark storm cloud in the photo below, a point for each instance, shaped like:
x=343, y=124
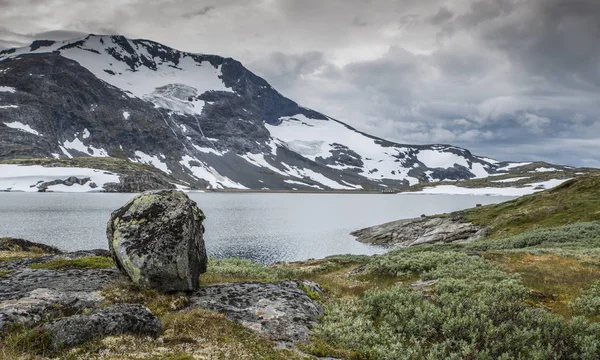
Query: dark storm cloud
x=514, y=79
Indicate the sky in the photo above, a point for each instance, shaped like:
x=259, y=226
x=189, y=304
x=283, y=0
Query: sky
x=510, y=79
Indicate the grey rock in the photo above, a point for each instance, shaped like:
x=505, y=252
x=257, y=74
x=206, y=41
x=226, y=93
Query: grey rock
x=29, y=296
x=112, y=320
x=280, y=311
x=157, y=240
x=427, y=230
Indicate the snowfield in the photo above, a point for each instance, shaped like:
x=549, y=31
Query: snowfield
x=315, y=138
x=26, y=178
x=167, y=86
x=492, y=191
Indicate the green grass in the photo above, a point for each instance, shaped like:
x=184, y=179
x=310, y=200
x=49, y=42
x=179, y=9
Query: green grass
x=87, y=262
x=577, y=200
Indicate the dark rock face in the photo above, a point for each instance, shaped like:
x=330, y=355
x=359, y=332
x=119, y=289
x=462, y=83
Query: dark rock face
x=280, y=311
x=423, y=230
x=157, y=240
x=115, y=319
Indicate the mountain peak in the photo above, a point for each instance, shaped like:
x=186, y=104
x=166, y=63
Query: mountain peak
x=203, y=119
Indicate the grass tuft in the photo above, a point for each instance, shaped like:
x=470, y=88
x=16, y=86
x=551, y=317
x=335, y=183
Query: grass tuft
x=87, y=262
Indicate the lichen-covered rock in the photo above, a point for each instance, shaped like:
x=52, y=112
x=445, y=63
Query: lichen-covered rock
x=157, y=240
x=280, y=311
x=115, y=319
x=29, y=296
x=423, y=230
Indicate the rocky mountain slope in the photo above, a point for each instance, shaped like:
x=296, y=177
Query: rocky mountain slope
x=204, y=120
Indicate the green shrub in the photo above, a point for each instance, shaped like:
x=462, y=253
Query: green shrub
x=474, y=311
x=435, y=265
x=588, y=303
x=573, y=236
x=462, y=320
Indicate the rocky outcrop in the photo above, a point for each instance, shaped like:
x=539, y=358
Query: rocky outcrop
x=423, y=230
x=72, y=180
x=28, y=296
x=69, y=305
x=115, y=319
x=140, y=182
x=13, y=244
x=157, y=240
x=281, y=311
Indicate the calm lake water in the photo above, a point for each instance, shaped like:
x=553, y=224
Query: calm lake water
x=261, y=227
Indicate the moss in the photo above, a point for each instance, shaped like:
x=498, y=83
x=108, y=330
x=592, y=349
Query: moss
x=4, y=273
x=309, y=292
x=87, y=262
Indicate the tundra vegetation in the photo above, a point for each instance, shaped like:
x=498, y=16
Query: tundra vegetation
x=530, y=290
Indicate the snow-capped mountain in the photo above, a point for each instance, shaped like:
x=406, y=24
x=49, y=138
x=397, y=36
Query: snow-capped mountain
x=203, y=119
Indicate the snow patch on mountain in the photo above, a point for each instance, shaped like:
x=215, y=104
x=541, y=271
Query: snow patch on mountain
x=26, y=178
x=78, y=145
x=8, y=89
x=513, y=165
x=202, y=171
x=23, y=127
x=152, y=160
x=492, y=191
x=545, y=169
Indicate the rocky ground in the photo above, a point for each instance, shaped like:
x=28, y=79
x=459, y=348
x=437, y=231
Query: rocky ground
x=77, y=297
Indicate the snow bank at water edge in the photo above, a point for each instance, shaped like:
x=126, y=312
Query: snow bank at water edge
x=491, y=191
x=23, y=178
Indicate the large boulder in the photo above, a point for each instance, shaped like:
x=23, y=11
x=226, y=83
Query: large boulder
x=157, y=240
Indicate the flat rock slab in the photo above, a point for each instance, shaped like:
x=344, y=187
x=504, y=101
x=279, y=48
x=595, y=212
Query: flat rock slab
x=424, y=230
x=280, y=311
x=115, y=319
x=28, y=296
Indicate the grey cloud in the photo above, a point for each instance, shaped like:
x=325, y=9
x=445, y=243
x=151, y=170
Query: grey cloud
x=442, y=16
x=205, y=10
x=357, y=21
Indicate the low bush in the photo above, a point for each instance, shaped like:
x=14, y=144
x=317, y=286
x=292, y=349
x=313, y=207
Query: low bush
x=573, y=236
x=588, y=303
x=474, y=311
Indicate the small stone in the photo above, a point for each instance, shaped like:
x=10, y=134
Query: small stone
x=115, y=319
x=157, y=240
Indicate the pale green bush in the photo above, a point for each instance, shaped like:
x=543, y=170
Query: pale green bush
x=473, y=311
x=588, y=303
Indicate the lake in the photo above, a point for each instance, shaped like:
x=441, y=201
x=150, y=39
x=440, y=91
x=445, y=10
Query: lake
x=264, y=227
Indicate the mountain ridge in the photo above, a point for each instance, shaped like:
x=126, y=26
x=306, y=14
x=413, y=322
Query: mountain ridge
x=204, y=120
